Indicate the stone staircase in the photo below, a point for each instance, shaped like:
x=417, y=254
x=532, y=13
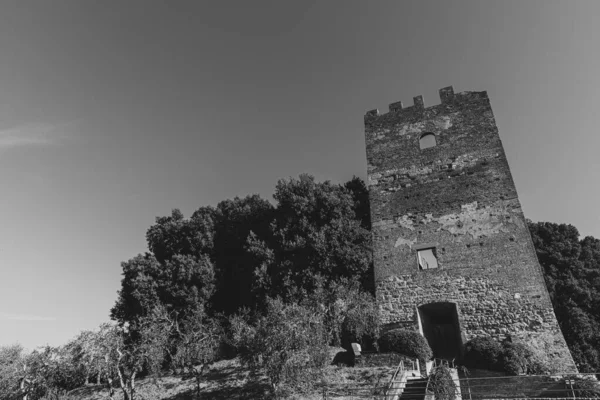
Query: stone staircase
x=414, y=389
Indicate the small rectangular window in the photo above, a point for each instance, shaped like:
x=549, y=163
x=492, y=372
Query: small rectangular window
x=427, y=258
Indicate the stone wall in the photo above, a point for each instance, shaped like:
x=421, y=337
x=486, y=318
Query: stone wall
x=459, y=198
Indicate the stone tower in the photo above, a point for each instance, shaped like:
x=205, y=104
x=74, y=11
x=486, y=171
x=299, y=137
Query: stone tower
x=453, y=255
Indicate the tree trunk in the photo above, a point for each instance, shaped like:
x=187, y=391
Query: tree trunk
x=123, y=384
x=198, y=375
x=98, y=377
x=24, y=390
x=132, y=385
x=111, y=389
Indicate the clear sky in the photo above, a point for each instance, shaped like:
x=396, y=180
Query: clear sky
x=113, y=113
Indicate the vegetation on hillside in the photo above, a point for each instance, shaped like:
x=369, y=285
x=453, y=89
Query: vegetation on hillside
x=572, y=272
x=273, y=284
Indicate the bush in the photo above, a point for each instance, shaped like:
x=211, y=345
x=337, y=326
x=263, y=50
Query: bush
x=350, y=314
x=512, y=358
x=409, y=343
x=516, y=358
x=441, y=383
x=586, y=386
x=483, y=353
x=344, y=358
x=288, y=344
x=361, y=323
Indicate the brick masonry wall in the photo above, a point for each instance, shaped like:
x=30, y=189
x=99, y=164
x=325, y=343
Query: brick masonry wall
x=458, y=197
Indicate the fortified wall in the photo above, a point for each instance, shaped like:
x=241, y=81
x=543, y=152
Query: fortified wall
x=452, y=252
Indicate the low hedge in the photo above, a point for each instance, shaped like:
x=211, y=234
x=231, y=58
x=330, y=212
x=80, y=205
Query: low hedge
x=409, y=343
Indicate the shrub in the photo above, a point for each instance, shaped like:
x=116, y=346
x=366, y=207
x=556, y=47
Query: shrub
x=350, y=314
x=361, y=322
x=409, y=343
x=345, y=358
x=441, y=383
x=512, y=358
x=537, y=367
x=516, y=358
x=483, y=353
x=586, y=386
x=288, y=344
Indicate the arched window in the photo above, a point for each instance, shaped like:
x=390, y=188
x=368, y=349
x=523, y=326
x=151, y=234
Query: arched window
x=427, y=140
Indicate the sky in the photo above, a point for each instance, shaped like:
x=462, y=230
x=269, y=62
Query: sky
x=113, y=113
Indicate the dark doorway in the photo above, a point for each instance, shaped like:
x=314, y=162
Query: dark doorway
x=439, y=322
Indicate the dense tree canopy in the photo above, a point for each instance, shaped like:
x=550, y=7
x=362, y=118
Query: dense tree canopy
x=235, y=221
x=316, y=233
x=180, y=283
x=246, y=249
x=572, y=271
x=175, y=235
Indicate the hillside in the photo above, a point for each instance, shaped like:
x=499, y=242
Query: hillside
x=225, y=379
x=228, y=379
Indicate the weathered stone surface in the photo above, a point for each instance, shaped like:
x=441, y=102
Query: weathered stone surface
x=458, y=197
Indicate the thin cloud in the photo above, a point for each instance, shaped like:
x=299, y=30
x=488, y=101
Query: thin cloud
x=33, y=134
x=24, y=317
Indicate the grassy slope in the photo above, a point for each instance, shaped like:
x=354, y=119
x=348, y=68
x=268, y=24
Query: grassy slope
x=225, y=379
x=228, y=379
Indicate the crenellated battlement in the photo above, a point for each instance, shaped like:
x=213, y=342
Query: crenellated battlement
x=447, y=96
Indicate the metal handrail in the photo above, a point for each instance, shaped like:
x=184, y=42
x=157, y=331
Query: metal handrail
x=438, y=362
x=427, y=389
x=554, y=375
x=383, y=392
x=399, y=369
x=488, y=387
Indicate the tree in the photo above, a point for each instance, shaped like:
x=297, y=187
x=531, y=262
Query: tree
x=11, y=368
x=180, y=283
x=175, y=235
x=572, y=272
x=235, y=221
x=360, y=194
x=288, y=343
x=86, y=354
x=139, y=289
x=316, y=235
x=47, y=372
x=128, y=350
x=316, y=231
x=212, y=235
x=197, y=343
x=350, y=314
x=52, y=373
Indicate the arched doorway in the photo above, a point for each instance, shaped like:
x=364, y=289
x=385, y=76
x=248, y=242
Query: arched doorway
x=439, y=324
